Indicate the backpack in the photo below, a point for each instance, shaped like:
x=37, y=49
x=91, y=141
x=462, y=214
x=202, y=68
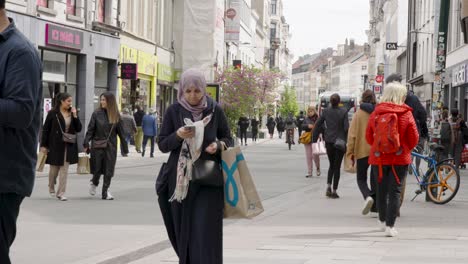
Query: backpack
x=386, y=139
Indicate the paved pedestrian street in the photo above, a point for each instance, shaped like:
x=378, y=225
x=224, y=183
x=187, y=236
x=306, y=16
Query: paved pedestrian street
x=299, y=225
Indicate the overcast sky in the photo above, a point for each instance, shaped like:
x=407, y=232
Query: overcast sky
x=318, y=24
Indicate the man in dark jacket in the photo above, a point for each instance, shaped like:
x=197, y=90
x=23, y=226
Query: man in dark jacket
x=129, y=129
x=243, y=124
x=299, y=121
x=139, y=114
x=20, y=118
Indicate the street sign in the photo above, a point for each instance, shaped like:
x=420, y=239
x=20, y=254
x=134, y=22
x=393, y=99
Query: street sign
x=379, y=78
x=377, y=89
x=391, y=46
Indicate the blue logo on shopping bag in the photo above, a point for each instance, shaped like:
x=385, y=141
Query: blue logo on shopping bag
x=230, y=181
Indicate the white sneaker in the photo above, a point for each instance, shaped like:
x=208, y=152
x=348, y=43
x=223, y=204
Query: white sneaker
x=92, y=189
x=109, y=196
x=52, y=195
x=381, y=225
x=62, y=198
x=374, y=214
x=367, y=205
x=391, y=232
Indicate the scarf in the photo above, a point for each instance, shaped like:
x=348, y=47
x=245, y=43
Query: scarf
x=190, y=152
x=193, y=77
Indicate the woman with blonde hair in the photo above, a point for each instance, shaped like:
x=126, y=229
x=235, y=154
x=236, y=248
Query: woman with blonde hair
x=392, y=134
x=358, y=149
x=103, y=128
x=308, y=126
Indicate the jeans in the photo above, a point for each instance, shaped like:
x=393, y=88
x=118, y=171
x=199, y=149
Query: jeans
x=388, y=193
x=127, y=138
x=254, y=135
x=335, y=157
x=145, y=140
x=311, y=158
x=243, y=136
x=9, y=209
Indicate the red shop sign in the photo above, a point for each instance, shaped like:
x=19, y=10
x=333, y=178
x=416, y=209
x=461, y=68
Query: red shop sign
x=63, y=37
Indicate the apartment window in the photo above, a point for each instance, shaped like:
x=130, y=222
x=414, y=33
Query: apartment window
x=272, y=58
x=101, y=10
x=43, y=3
x=71, y=7
x=414, y=53
x=273, y=7
x=273, y=30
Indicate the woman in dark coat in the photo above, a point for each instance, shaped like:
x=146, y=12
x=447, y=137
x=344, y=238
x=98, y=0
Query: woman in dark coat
x=105, y=125
x=254, y=123
x=280, y=126
x=335, y=119
x=60, y=154
x=271, y=126
x=195, y=222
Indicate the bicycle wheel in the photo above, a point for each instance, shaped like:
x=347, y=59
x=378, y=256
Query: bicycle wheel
x=443, y=187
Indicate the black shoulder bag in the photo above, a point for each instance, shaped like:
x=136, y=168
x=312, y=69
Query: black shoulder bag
x=340, y=143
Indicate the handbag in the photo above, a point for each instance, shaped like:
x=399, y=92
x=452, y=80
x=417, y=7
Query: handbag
x=66, y=137
x=102, y=144
x=340, y=144
x=207, y=172
x=318, y=148
x=305, y=138
x=41, y=160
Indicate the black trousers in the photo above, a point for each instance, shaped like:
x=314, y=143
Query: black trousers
x=243, y=136
x=335, y=157
x=145, y=140
x=106, y=184
x=9, y=209
x=299, y=131
x=362, y=166
x=388, y=193
x=254, y=135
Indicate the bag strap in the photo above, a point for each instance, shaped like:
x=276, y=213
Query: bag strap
x=60, y=125
x=110, y=132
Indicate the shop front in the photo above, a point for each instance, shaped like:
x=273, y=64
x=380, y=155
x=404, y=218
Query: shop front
x=167, y=94
x=141, y=90
x=456, y=92
x=80, y=62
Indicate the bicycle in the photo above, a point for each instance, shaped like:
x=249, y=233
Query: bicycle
x=435, y=182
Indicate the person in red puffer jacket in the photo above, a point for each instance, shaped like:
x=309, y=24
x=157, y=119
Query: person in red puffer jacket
x=391, y=167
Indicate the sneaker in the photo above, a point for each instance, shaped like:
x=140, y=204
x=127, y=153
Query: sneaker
x=143, y=154
x=329, y=192
x=374, y=214
x=92, y=189
x=62, y=198
x=318, y=172
x=381, y=225
x=108, y=197
x=309, y=175
x=367, y=205
x=335, y=195
x=52, y=195
x=391, y=231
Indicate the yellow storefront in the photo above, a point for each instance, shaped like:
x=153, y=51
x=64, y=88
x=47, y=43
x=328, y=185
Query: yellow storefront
x=142, y=91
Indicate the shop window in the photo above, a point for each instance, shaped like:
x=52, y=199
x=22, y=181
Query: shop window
x=71, y=7
x=101, y=79
x=54, y=66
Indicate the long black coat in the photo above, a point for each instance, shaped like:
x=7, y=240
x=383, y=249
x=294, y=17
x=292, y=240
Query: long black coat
x=195, y=226
x=52, y=139
x=103, y=160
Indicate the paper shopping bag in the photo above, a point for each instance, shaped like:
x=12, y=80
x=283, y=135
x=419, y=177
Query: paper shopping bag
x=318, y=148
x=41, y=160
x=83, y=164
x=348, y=165
x=241, y=199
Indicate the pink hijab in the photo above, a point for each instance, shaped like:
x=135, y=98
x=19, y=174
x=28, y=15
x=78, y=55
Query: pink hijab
x=196, y=78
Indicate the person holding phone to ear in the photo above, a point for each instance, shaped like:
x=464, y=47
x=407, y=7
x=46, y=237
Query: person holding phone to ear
x=59, y=142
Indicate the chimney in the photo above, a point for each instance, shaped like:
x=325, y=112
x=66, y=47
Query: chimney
x=352, y=44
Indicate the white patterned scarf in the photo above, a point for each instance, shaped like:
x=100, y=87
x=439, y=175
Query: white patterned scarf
x=190, y=152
